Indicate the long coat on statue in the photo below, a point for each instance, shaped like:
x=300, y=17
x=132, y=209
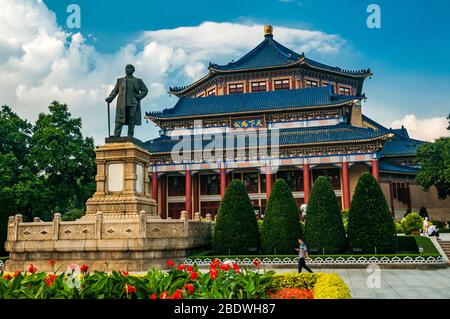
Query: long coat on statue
x=129, y=95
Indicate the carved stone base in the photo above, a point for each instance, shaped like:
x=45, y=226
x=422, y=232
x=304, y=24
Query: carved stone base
x=119, y=207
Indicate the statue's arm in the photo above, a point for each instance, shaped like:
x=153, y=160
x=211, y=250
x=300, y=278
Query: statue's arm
x=113, y=93
x=143, y=91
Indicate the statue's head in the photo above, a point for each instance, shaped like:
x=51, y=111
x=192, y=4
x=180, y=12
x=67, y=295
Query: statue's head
x=129, y=69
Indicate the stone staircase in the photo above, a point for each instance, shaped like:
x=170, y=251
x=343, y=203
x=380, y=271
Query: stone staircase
x=445, y=245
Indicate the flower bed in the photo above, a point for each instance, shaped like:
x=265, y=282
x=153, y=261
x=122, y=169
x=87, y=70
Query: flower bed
x=221, y=281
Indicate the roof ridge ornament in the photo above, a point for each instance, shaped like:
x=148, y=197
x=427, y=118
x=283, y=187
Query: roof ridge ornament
x=268, y=31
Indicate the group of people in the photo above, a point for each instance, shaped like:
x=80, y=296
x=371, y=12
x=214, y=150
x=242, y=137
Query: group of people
x=430, y=230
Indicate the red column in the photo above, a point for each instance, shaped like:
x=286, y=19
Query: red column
x=375, y=170
x=163, y=208
x=306, y=182
x=223, y=182
x=195, y=191
x=270, y=85
x=268, y=182
x=345, y=185
x=189, y=193
x=155, y=186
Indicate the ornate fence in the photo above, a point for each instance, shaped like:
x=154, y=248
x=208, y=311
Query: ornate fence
x=325, y=260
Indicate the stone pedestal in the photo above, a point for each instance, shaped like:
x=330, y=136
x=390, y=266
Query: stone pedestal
x=120, y=231
x=123, y=188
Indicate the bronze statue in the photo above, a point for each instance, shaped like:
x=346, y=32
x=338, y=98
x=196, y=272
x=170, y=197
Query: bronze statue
x=131, y=91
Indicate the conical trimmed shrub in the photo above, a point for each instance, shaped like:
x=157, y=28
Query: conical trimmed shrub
x=324, y=229
x=370, y=224
x=236, y=229
x=281, y=227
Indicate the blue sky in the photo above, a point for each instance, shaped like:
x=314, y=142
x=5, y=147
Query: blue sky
x=409, y=55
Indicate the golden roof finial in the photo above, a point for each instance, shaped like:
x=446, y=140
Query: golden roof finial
x=268, y=30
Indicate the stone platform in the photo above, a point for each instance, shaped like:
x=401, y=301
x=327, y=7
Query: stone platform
x=120, y=231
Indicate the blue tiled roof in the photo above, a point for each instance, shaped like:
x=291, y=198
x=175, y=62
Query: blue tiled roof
x=393, y=168
x=268, y=53
x=251, y=102
x=400, y=145
x=312, y=135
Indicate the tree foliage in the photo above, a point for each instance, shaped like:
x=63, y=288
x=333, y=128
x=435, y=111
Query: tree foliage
x=236, y=229
x=370, y=225
x=434, y=160
x=324, y=228
x=44, y=168
x=281, y=227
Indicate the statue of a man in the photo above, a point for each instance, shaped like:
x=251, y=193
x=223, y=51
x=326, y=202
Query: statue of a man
x=131, y=91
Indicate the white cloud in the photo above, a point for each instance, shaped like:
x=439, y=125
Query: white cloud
x=427, y=129
x=39, y=62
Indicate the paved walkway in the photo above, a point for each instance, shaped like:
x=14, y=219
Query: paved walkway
x=396, y=283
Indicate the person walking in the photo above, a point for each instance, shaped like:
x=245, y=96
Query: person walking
x=302, y=255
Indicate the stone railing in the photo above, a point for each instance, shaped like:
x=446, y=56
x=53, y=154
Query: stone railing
x=85, y=233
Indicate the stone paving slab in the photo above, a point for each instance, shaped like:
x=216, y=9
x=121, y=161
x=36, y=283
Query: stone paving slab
x=395, y=283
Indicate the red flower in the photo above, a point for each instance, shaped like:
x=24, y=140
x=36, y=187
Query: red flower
x=170, y=263
x=256, y=262
x=84, y=268
x=292, y=293
x=177, y=294
x=181, y=267
x=236, y=267
x=32, y=269
x=16, y=274
x=164, y=295
x=125, y=273
x=50, y=280
x=130, y=289
x=216, y=262
x=190, y=288
x=51, y=262
x=213, y=274
x=190, y=268
x=153, y=296
x=225, y=267
x=7, y=277
x=193, y=275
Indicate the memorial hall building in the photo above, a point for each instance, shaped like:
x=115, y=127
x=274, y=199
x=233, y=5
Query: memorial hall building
x=315, y=110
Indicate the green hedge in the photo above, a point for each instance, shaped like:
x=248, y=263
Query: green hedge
x=281, y=227
x=324, y=228
x=235, y=229
x=371, y=226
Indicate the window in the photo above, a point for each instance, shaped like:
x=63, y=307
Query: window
x=281, y=84
x=236, y=88
x=212, y=92
x=344, y=91
x=209, y=185
x=251, y=182
x=259, y=86
x=209, y=208
x=311, y=84
x=176, y=185
x=333, y=175
x=175, y=209
x=293, y=178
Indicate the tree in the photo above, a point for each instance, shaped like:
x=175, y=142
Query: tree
x=324, y=228
x=236, y=229
x=17, y=183
x=371, y=227
x=63, y=159
x=281, y=227
x=434, y=160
